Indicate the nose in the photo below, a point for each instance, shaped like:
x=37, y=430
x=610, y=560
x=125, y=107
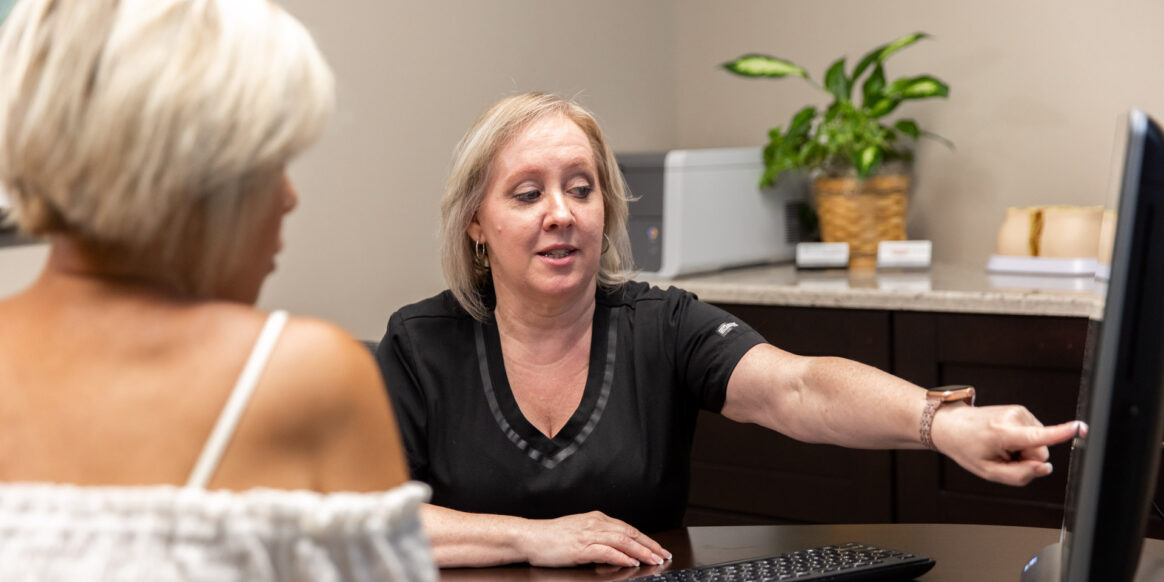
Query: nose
x=559, y=213
x=290, y=195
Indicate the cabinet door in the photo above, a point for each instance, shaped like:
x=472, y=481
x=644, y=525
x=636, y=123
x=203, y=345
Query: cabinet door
x=1035, y=361
x=744, y=474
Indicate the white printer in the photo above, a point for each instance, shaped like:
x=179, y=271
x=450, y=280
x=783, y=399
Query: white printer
x=703, y=210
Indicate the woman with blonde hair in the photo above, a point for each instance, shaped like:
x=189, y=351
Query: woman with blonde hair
x=550, y=402
x=152, y=421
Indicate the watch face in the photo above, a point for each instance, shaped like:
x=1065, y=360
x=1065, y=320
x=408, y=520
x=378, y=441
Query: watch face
x=953, y=393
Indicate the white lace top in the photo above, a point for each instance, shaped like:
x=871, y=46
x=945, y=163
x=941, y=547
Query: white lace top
x=67, y=533
x=52, y=532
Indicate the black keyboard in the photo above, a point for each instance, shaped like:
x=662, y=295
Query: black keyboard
x=849, y=562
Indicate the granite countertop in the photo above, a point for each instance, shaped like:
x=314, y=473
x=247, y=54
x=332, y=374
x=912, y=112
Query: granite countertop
x=942, y=288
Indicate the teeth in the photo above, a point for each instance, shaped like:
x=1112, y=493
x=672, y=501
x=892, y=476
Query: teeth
x=556, y=253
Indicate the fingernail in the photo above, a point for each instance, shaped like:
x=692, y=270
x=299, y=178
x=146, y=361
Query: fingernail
x=636, y=563
x=668, y=555
x=1048, y=468
x=656, y=559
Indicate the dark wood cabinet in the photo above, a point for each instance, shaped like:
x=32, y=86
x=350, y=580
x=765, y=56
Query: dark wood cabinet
x=1030, y=360
x=746, y=474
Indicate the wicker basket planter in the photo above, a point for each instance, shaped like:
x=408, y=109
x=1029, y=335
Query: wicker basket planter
x=862, y=213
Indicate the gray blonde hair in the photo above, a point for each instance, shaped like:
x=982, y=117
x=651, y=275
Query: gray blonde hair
x=154, y=129
x=465, y=191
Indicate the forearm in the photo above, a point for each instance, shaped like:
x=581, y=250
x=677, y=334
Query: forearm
x=472, y=539
x=841, y=402
x=854, y=405
x=825, y=400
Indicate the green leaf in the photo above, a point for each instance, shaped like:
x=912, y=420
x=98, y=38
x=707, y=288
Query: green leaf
x=868, y=60
x=801, y=122
x=832, y=112
x=908, y=127
x=899, y=44
x=768, y=178
x=874, y=87
x=938, y=138
x=920, y=87
x=836, y=82
x=879, y=54
x=754, y=65
x=884, y=106
x=775, y=139
x=867, y=161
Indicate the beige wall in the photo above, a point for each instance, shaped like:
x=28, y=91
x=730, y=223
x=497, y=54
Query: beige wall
x=19, y=265
x=412, y=76
x=1036, y=92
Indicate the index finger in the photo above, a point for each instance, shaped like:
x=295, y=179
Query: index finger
x=644, y=540
x=648, y=543
x=1043, y=436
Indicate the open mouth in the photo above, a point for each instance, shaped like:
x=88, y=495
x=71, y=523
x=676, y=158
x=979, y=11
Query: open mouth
x=558, y=253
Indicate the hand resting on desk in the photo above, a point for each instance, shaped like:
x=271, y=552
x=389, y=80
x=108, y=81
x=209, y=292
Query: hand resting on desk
x=474, y=539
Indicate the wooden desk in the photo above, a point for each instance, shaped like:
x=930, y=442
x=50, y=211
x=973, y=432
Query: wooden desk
x=962, y=552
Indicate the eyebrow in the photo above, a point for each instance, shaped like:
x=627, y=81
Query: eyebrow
x=578, y=165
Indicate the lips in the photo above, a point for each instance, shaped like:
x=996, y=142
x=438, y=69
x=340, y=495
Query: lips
x=558, y=252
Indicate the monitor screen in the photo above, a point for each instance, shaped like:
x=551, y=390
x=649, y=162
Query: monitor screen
x=1113, y=467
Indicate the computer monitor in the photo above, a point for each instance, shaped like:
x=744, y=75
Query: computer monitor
x=1113, y=467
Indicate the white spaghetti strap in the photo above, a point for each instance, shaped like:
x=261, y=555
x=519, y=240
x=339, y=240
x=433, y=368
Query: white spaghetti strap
x=239, y=397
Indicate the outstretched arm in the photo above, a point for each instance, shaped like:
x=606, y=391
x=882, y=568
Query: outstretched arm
x=476, y=539
x=842, y=402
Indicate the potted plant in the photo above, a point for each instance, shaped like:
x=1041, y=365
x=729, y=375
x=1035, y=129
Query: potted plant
x=859, y=161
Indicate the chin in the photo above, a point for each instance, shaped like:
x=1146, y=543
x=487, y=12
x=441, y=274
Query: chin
x=568, y=286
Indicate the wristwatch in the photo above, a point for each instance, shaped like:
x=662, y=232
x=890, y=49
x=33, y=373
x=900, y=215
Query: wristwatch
x=936, y=398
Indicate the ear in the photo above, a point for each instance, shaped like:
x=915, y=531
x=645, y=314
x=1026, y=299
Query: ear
x=474, y=231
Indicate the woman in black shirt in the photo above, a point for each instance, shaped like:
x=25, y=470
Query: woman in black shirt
x=550, y=402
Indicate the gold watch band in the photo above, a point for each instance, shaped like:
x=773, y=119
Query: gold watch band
x=935, y=399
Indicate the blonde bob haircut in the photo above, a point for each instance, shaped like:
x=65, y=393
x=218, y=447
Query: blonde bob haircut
x=465, y=273
x=153, y=130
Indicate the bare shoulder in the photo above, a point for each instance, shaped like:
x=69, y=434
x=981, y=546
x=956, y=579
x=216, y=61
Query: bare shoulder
x=360, y=447
x=322, y=396
x=322, y=367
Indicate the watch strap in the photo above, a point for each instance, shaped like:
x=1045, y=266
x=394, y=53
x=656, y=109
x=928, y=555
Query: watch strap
x=927, y=423
x=934, y=400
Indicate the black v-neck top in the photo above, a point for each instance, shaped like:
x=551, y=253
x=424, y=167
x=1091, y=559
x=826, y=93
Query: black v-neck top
x=656, y=358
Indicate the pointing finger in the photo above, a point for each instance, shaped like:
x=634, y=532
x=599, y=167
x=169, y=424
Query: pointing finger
x=1042, y=436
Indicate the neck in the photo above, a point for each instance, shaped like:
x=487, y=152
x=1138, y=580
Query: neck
x=73, y=263
x=549, y=324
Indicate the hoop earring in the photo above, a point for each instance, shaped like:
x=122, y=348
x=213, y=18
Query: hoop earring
x=605, y=243
x=480, y=255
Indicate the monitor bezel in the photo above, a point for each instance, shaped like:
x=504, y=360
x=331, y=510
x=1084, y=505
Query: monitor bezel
x=1111, y=488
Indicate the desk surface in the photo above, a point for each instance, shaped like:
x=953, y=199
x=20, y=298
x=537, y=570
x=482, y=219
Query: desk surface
x=962, y=552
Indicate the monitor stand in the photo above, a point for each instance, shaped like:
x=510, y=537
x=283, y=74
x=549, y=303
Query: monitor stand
x=1046, y=566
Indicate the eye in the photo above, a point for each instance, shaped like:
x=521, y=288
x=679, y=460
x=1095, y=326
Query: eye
x=528, y=195
x=582, y=191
